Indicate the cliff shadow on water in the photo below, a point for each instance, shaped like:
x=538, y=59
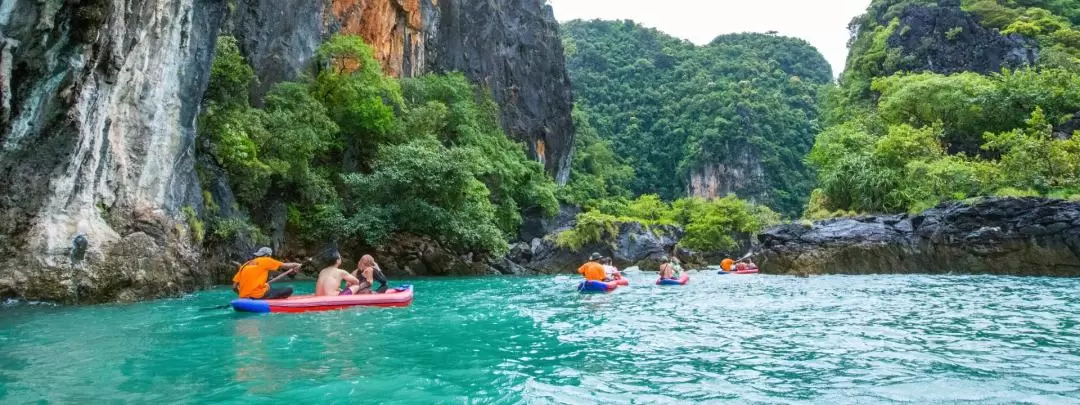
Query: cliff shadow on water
x=1005, y=236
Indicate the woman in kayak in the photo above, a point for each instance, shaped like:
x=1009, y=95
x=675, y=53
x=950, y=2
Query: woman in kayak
x=667, y=271
x=610, y=271
x=369, y=272
x=331, y=276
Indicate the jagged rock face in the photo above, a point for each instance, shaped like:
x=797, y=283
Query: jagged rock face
x=513, y=47
x=99, y=100
x=406, y=255
x=633, y=245
x=949, y=40
x=1030, y=236
x=744, y=176
x=510, y=47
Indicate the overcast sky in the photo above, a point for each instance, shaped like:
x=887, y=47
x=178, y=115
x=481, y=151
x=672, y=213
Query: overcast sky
x=823, y=23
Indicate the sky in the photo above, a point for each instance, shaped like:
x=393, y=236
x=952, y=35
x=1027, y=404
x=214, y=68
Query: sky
x=822, y=23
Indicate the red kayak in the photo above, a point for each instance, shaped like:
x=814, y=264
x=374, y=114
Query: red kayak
x=399, y=297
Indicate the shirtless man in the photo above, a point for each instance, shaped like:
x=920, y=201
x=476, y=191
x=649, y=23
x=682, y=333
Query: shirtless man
x=330, y=279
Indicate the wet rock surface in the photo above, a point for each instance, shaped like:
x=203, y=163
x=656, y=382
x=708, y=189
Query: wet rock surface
x=1007, y=236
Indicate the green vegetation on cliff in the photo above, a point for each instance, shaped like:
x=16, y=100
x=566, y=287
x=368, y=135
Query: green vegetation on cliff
x=710, y=226
x=672, y=110
x=354, y=154
x=906, y=141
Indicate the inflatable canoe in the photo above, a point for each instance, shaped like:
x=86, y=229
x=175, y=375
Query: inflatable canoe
x=747, y=271
x=398, y=297
x=623, y=281
x=673, y=281
x=598, y=286
x=742, y=268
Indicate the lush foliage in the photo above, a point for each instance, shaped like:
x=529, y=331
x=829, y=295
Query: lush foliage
x=906, y=141
x=710, y=226
x=597, y=174
x=355, y=154
x=1051, y=23
x=671, y=109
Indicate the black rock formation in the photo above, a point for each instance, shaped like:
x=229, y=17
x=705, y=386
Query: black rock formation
x=1014, y=236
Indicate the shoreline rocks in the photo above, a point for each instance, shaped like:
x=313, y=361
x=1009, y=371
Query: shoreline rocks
x=1004, y=236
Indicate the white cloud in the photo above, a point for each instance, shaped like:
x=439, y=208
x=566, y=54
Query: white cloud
x=823, y=23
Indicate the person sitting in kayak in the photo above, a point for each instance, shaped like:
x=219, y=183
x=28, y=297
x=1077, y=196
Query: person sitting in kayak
x=677, y=266
x=369, y=272
x=610, y=271
x=727, y=265
x=330, y=278
x=593, y=270
x=250, y=280
x=667, y=270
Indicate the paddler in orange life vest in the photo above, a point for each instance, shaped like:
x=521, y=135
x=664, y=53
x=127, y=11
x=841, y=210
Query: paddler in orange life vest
x=593, y=270
x=727, y=264
x=250, y=280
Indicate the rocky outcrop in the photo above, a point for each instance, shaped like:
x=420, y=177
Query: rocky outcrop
x=1029, y=236
x=510, y=47
x=633, y=245
x=406, y=255
x=742, y=175
x=945, y=39
x=99, y=100
x=1068, y=129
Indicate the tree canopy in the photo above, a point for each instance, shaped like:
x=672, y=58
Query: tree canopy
x=904, y=141
x=670, y=108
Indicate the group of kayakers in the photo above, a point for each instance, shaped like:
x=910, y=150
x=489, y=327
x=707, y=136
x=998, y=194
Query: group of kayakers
x=599, y=268
x=251, y=279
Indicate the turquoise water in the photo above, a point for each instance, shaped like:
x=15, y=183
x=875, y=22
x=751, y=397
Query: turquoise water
x=738, y=339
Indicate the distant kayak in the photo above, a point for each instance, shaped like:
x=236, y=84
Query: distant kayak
x=674, y=281
x=398, y=297
x=747, y=271
x=586, y=287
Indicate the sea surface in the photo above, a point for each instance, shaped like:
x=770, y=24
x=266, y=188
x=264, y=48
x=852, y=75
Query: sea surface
x=503, y=340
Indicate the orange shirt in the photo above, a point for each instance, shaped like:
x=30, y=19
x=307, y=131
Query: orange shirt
x=592, y=271
x=251, y=279
x=726, y=264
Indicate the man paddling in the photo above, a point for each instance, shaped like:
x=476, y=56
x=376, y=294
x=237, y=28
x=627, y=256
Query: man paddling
x=593, y=270
x=250, y=280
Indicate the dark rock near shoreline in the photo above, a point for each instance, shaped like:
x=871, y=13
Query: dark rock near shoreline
x=634, y=245
x=1013, y=236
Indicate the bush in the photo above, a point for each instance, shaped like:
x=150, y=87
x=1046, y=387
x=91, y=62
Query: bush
x=424, y=155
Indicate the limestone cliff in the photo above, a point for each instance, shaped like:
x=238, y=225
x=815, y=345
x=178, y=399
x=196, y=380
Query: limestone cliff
x=99, y=98
x=99, y=101
x=511, y=47
x=742, y=175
